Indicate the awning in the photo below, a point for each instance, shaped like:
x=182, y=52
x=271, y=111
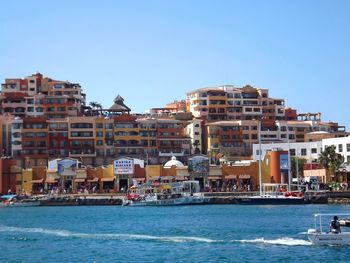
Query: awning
x=38, y=181
x=183, y=178
x=215, y=178
x=95, y=179
x=79, y=180
x=231, y=176
x=110, y=179
x=51, y=181
x=244, y=176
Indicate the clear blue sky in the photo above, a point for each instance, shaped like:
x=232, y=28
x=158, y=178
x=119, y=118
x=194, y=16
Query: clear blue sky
x=152, y=52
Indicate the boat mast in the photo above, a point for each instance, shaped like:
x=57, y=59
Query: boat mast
x=260, y=162
x=289, y=171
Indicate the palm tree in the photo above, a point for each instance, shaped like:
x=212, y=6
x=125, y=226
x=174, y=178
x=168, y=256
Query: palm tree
x=301, y=163
x=93, y=104
x=331, y=160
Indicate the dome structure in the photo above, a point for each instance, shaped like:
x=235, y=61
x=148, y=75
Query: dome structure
x=173, y=162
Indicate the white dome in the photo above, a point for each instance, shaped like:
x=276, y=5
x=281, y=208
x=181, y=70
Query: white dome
x=172, y=162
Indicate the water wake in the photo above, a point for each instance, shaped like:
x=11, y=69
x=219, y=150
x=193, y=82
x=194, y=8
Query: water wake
x=175, y=239
x=284, y=241
x=65, y=233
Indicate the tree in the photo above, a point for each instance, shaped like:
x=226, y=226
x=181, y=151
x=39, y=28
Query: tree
x=95, y=106
x=293, y=168
x=331, y=160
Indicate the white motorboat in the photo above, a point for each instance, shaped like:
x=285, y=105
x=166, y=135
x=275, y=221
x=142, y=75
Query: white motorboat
x=165, y=194
x=273, y=194
x=18, y=201
x=320, y=236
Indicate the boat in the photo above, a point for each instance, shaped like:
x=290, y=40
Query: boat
x=164, y=194
x=320, y=236
x=273, y=194
x=18, y=201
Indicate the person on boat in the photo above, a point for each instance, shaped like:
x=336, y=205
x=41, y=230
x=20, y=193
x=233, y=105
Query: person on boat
x=334, y=227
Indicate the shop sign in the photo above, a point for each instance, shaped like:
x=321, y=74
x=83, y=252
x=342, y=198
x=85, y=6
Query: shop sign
x=124, y=166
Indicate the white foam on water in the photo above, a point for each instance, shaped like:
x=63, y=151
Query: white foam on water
x=64, y=233
x=284, y=241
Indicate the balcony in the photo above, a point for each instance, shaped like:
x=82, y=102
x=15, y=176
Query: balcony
x=84, y=153
x=170, y=153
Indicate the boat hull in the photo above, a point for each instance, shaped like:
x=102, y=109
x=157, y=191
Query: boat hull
x=251, y=200
x=168, y=202
x=19, y=204
x=318, y=238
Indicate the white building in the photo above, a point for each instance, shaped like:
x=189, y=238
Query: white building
x=342, y=147
x=194, y=130
x=306, y=150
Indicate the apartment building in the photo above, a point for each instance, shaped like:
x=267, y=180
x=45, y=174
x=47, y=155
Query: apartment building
x=41, y=96
x=6, y=134
x=231, y=138
x=127, y=139
x=96, y=140
x=232, y=103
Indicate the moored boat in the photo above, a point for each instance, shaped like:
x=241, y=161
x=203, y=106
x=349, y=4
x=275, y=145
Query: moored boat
x=273, y=194
x=164, y=194
x=319, y=236
x=18, y=201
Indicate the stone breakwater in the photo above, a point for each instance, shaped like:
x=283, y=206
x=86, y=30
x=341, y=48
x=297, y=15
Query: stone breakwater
x=81, y=200
x=316, y=197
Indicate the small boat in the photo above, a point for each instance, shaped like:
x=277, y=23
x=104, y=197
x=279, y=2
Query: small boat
x=273, y=194
x=18, y=201
x=164, y=194
x=319, y=236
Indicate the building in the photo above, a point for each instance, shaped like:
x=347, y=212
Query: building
x=41, y=96
x=342, y=145
x=232, y=103
x=306, y=150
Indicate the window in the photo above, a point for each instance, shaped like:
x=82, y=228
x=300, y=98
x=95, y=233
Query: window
x=348, y=159
x=340, y=148
x=303, y=152
x=292, y=152
x=81, y=125
x=348, y=147
x=313, y=150
x=99, y=134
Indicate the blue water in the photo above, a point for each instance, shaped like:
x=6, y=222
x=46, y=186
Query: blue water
x=212, y=233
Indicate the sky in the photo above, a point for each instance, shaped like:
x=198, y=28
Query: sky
x=153, y=52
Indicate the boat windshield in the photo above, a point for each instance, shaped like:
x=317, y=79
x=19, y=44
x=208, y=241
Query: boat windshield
x=323, y=221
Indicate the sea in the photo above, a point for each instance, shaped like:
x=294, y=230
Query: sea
x=205, y=233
